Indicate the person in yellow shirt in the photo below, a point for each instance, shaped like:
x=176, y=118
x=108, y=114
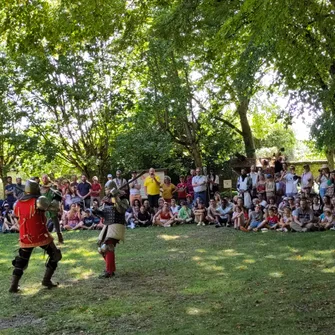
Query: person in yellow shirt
x=168, y=189
x=152, y=188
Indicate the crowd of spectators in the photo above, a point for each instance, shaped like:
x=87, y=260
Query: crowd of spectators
x=269, y=198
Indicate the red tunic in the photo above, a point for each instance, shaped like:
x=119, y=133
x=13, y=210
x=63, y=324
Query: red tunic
x=33, y=229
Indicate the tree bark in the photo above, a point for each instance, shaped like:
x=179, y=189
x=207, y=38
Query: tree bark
x=330, y=158
x=196, y=154
x=248, y=138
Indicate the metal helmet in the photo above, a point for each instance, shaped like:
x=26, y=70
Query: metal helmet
x=31, y=187
x=42, y=203
x=54, y=206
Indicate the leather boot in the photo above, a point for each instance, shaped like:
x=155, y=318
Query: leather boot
x=47, y=278
x=14, y=288
x=60, y=238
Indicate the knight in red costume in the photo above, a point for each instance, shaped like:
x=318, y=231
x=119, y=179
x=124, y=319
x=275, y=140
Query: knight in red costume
x=30, y=210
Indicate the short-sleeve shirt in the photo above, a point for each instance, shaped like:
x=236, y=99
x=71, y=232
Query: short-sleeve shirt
x=152, y=187
x=84, y=188
x=167, y=190
x=95, y=190
x=304, y=216
x=199, y=180
x=10, y=197
x=184, y=213
x=256, y=217
x=182, y=194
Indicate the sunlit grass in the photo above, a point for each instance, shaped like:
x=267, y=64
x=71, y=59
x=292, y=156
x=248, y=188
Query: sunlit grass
x=182, y=281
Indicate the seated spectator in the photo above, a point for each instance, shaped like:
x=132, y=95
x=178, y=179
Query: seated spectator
x=326, y=202
x=255, y=218
x=168, y=189
x=131, y=216
x=67, y=198
x=88, y=221
x=160, y=204
x=225, y=210
x=282, y=205
x=72, y=218
x=182, y=189
x=184, y=214
x=238, y=218
x=199, y=212
x=174, y=208
x=285, y=220
x=316, y=206
x=302, y=217
x=163, y=217
x=150, y=210
x=144, y=217
x=271, y=202
x=271, y=221
x=189, y=201
x=327, y=220
x=212, y=213
x=10, y=223
x=217, y=198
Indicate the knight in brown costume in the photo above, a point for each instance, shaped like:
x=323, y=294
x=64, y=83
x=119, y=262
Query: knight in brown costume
x=113, y=212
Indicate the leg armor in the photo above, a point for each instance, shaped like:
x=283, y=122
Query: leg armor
x=21, y=261
x=55, y=255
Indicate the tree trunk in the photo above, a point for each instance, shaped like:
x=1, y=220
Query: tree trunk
x=330, y=158
x=196, y=154
x=248, y=139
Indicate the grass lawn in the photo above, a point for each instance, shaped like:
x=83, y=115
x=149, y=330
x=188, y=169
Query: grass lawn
x=183, y=280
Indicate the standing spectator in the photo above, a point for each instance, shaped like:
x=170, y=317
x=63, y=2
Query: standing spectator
x=9, y=192
x=95, y=189
x=120, y=182
x=109, y=178
x=182, y=189
x=52, y=216
x=291, y=182
x=323, y=180
x=152, y=188
x=260, y=187
x=134, y=189
x=189, y=183
x=84, y=191
x=199, y=184
x=74, y=181
x=270, y=187
x=213, y=183
x=19, y=188
x=168, y=189
x=306, y=181
x=254, y=179
x=244, y=185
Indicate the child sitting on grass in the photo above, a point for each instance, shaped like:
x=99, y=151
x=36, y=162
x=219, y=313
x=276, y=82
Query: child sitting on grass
x=238, y=217
x=271, y=221
x=327, y=219
x=285, y=220
x=199, y=214
x=212, y=213
x=184, y=214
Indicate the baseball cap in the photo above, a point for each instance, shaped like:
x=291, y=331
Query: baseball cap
x=109, y=176
x=188, y=196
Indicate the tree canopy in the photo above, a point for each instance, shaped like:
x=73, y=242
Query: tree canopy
x=125, y=84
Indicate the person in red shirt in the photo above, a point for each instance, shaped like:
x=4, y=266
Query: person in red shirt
x=271, y=221
x=30, y=211
x=95, y=190
x=182, y=189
